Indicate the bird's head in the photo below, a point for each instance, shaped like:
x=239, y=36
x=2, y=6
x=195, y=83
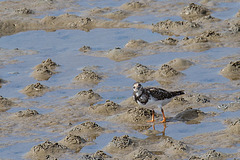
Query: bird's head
x=137, y=87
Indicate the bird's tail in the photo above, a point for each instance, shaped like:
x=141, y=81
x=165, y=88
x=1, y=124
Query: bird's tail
x=176, y=93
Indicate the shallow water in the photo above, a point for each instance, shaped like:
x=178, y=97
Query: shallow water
x=62, y=47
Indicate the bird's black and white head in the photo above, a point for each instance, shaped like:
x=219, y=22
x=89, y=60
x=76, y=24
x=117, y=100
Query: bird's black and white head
x=137, y=88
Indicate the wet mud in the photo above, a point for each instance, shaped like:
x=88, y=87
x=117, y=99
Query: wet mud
x=91, y=114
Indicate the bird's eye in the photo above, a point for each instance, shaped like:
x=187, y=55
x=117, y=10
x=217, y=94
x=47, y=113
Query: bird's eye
x=134, y=87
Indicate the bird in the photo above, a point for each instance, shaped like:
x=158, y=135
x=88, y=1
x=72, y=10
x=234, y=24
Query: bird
x=153, y=96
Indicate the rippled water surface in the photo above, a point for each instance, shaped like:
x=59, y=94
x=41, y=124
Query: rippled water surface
x=62, y=47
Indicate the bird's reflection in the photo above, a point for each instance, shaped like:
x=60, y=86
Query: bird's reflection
x=155, y=134
x=164, y=128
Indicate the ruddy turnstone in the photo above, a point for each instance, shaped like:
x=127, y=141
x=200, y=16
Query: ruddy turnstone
x=153, y=96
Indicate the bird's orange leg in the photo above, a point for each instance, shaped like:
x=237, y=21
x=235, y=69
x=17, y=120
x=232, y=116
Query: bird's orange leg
x=164, y=118
x=152, y=117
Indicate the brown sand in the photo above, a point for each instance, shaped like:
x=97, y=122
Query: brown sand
x=201, y=32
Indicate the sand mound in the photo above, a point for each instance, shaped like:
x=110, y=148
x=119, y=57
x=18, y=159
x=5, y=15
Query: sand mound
x=5, y=104
x=194, y=11
x=135, y=115
x=117, y=15
x=85, y=97
x=73, y=142
x=87, y=130
x=87, y=77
x=44, y=70
x=133, y=6
x=141, y=154
x=232, y=71
x=46, y=149
x=119, y=54
x=35, y=90
x=210, y=155
x=121, y=144
x=190, y=116
x=106, y=109
x=140, y=73
x=180, y=64
x=170, y=41
x=136, y=44
x=169, y=27
x=99, y=155
x=85, y=49
x=27, y=113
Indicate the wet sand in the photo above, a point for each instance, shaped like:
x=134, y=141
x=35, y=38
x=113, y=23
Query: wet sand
x=67, y=70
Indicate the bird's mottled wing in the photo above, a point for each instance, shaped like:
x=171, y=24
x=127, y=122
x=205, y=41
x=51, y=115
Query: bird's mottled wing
x=160, y=94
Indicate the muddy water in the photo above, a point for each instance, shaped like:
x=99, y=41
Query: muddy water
x=207, y=89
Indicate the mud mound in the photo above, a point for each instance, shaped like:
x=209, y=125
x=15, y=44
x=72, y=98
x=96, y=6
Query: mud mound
x=85, y=49
x=187, y=100
x=133, y=6
x=88, y=77
x=197, y=44
x=210, y=155
x=27, y=113
x=211, y=35
x=180, y=64
x=87, y=130
x=194, y=11
x=173, y=148
x=167, y=74
x=107, y=109
x=85, y=97
x=169, y=27
x=234, y=127
x=238, y=13
x=136, y=44
x=232, y=71
x=141, y=73
x=24, y=11
x=35, y=90
x=73, y=142
x=44, y=70
x=49, y=64
x=234, y=27
x=5, y=104
x=170, y=41
x=136, y=115
x=232, y=106
x=117, y=15
x=69, y=21
x=129, y=102
x=190, y=116
x=121, y=144
x=194, y=98
x=2, y=82
x=119, y=54
x=99, y=155
x=141, y=154
x=206, y=20
x=45, y=149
